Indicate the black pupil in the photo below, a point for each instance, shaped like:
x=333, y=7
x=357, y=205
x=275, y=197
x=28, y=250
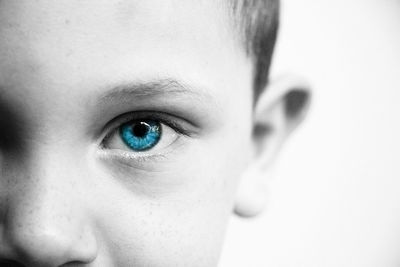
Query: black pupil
x=140, y=129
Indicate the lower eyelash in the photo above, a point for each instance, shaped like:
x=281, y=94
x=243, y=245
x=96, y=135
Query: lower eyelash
x=129, y=156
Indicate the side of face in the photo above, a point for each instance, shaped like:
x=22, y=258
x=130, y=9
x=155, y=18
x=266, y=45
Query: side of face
x=72, y=191
x=70, y=74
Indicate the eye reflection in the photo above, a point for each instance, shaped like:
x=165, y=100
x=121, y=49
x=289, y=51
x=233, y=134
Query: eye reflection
x=141, y=135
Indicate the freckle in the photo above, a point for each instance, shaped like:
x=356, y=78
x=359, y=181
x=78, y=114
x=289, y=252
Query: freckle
x=67, y=22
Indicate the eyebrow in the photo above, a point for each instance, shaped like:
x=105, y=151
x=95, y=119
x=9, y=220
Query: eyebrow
x=153, y=89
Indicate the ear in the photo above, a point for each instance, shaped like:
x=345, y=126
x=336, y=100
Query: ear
x=278, y=111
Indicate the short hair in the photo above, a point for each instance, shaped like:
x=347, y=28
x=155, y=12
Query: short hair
x=258, y=22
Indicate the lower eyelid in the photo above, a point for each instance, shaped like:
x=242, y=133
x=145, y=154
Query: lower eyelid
x=118, y=154
x=145, y=156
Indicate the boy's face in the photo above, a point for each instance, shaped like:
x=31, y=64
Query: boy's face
x=71, y=73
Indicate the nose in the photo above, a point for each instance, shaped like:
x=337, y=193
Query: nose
x=44, y=224
x=39, y=244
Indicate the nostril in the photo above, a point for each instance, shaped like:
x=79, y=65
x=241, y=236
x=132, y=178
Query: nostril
x=10, y=263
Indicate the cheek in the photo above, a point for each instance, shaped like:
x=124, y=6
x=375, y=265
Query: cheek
x=177, y=214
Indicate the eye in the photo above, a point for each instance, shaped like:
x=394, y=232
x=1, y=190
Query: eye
x=140, y=135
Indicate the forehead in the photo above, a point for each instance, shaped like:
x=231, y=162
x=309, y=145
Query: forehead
x=71, y=43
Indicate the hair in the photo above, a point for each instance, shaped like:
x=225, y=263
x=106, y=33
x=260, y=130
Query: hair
x=258, y=23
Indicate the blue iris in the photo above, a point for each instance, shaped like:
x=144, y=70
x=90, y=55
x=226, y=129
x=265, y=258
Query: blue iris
x=141, y=135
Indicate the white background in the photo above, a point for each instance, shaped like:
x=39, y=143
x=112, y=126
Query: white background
x=335, y=196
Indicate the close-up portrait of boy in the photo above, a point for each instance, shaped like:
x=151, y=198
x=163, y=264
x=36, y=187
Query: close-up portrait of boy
x=131, y=131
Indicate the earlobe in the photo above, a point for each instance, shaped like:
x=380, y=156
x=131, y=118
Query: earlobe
x=251, y=197
x=278, y=111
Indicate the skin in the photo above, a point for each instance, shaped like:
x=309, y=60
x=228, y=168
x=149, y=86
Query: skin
x=71, y=72
x=65, y=198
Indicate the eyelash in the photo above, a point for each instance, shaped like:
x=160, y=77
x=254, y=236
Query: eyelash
x=163, y=118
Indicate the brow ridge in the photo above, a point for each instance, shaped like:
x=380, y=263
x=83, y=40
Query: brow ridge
x=149, y=89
